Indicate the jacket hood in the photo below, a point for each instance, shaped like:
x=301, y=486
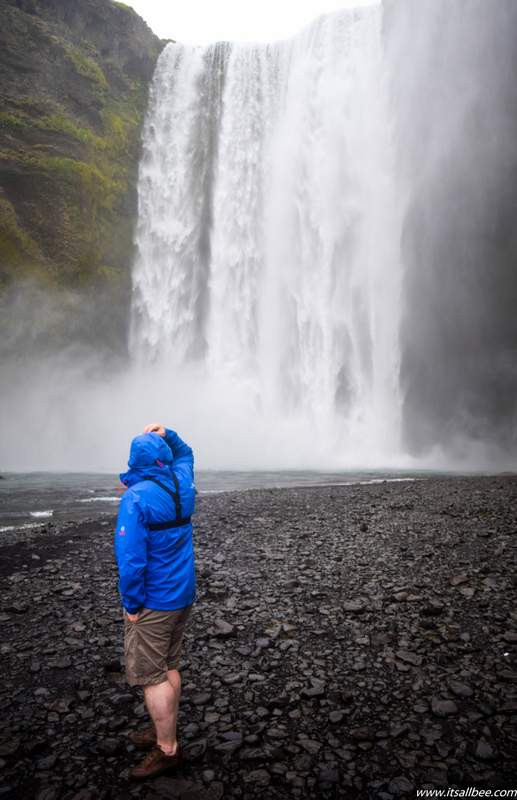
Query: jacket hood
x=149, y=455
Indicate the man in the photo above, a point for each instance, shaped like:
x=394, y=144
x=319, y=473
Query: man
x=155, y=558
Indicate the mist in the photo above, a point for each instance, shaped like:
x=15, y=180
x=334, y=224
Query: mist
x=335, y=289
x=452, y=68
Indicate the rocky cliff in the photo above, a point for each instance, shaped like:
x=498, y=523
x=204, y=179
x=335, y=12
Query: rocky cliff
x=74, y=78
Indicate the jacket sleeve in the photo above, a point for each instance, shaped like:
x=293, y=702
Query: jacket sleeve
x=131, y=553
x=180, y=450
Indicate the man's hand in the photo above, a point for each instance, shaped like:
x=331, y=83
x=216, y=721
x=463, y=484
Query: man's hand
x=155, y=427
x=133, y=617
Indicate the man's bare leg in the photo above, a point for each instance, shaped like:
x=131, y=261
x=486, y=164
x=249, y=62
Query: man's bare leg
x=162, y=701
x=174, y=679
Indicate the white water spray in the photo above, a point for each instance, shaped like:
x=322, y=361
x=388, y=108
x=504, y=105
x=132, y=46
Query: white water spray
x=267, y=281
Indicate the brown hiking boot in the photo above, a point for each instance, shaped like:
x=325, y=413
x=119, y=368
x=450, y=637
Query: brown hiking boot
x=155, y=763
x=143, y=739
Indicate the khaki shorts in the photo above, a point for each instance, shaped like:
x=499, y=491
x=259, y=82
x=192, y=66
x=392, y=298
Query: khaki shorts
x=152, y=644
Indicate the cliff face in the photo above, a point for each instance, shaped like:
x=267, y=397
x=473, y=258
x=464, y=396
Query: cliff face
x=74, y=78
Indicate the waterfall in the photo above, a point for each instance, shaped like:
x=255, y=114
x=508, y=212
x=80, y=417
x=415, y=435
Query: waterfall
x=268, y=239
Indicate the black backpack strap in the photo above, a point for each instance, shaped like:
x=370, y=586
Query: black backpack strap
x=172, y=523
x=179, y=521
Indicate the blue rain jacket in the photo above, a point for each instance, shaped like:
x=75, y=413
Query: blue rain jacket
x=156, y=567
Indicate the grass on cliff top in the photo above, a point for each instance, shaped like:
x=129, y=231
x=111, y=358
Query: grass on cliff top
x=124, y=7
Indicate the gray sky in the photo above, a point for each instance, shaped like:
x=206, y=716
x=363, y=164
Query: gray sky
x=205, y=21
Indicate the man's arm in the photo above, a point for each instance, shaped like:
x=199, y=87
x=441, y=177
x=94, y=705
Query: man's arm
x=180, y=450
x=131, y=553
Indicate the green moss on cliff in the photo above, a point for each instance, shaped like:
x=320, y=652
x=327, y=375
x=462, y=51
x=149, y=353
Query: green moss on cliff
x=80, y=174
x=18, y=252
x=92, y=191
x=19, y=121
x=86, y=66
x=63, y=124
x=13, y=122
x=70, y=137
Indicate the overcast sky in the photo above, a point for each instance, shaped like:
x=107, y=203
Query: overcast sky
x=205, y=21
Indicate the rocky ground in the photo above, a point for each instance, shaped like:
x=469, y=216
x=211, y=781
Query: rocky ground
x=352, y=641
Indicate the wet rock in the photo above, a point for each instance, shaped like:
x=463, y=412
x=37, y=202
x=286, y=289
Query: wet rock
x=117, y=699
x=232, y=742
x=46, y=763
x=400, y=786
x=457, y=580
x=195, y=750
x=409, y=658
x=172, y=788
x=354, y=607
x=109, y=747
x=17, y=607
x=328, y=776
x=362, y=734
x=9, y=747
x=202, y=698
x=258, y=777
x=460, y=689
x=432, y=609
x=443, y=708
x=222, y=629
x=232, y=736
x=508, y=676
x=398, y=730
x=214, y=792
x=310, y=745
x=316, y=690
x=113, y=666
x=509, y=708
x=484, y=751
x=48, y=793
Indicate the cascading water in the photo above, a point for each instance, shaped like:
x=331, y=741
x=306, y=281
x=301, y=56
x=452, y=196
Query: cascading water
x=268, y=267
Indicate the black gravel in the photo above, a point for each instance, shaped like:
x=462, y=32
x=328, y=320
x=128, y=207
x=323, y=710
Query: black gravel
x=353, y=641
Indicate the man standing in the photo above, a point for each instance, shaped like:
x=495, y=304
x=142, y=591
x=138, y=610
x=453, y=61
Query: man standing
x=155, y=557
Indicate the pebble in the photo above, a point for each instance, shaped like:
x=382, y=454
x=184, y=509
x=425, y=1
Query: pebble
x=443, y=708
x=222, y=628
x=409, y=658
x=310, y=745
x=484, y=751
x=258, y=777
x=457, y=580
x=328, y=776
x=400, y=786
x=460, y=689
x=354, y=607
